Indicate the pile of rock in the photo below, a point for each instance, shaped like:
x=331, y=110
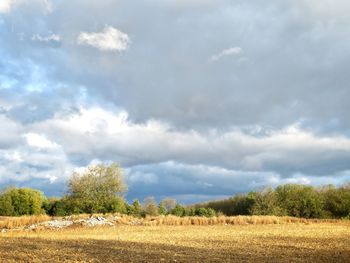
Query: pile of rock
x=92, y=222
x=66, y=222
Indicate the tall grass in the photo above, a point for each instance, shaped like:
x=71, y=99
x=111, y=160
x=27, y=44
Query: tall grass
x=14, y=222
x=170, y=220
x=227, y=220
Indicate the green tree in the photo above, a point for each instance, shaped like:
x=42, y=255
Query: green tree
x=55, y=206
x=162, y=209
x=93, y=190
x=265, y=203
x=6, y=207
x=299, y=200
x=21, y=201
x=178, y=210
x=336, y=201
x=116, y=205
x=136, y=208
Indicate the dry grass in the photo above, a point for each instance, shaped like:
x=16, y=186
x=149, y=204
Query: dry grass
x=169, y=220
x=15, y=222
x=226, y=220
x=299, y=242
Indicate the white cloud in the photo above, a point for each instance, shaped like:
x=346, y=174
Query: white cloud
x=110, y=39
x=98, y=133
x=5, y=5
x=47, y=39
x=154, y=152
x=39, y=141
x=226, y=52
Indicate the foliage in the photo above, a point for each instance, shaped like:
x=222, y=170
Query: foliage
x=207, y=212
x=299, y=200
x=161, y=209
x=135, y=209
x=169, y=204
x=21, y=201
x=288, y=200
x=178, y=210
x=96, y=190
x=150, y=206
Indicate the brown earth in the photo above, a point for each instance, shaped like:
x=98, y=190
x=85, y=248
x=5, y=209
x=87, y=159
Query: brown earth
x=320, y=242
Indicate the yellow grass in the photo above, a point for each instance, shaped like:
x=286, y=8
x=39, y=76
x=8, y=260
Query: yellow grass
x=18, y=222
x=225, y=220
x=14, y=222
x=299, y=242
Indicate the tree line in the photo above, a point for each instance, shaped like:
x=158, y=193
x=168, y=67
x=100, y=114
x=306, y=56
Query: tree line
x=289, y=200
x=100, y=189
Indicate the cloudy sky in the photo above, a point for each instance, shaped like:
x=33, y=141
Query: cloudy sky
x=196, y=99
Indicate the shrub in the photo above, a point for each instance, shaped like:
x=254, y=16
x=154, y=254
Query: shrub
x=178, y=210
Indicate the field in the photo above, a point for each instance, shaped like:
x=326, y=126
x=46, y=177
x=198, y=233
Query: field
x=291, y=242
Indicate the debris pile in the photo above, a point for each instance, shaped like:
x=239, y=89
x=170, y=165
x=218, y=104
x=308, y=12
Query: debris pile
x=98, y=221
x=68, y=221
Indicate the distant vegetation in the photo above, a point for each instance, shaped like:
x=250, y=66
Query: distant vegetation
x=100, y=189
x=289, y=200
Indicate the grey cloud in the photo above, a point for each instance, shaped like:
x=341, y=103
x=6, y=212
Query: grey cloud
x=290, y=56
x=194, y=183
x=230, y=114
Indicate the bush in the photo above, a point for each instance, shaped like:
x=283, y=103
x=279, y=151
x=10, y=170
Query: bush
x=207, y=212
x=178, y=210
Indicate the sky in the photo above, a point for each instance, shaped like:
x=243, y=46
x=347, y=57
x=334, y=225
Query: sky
x=196, y=99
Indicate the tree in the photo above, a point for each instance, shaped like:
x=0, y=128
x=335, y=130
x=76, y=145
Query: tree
x=135, y=209
x=266, y=203
x=55, y=206
x=150, y=206
x=94, y=190
x=6, y=207
x=178, y=210
x=21, y=201
x=299, y=200
x=169, y=204
x=162, y=209
x=336, y=201
x=207, y=212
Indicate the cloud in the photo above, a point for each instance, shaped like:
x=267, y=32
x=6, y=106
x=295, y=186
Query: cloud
x=226, y=52
x=161, y=112
x=190, y=183
x=110, y=39
x=325, y=9
x=53, y=38
x=39, y=141
x=161, y=161
x=288, y=151
x=5, y=6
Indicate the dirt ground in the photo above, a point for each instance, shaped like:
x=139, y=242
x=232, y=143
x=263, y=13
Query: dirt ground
x=322, y=242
